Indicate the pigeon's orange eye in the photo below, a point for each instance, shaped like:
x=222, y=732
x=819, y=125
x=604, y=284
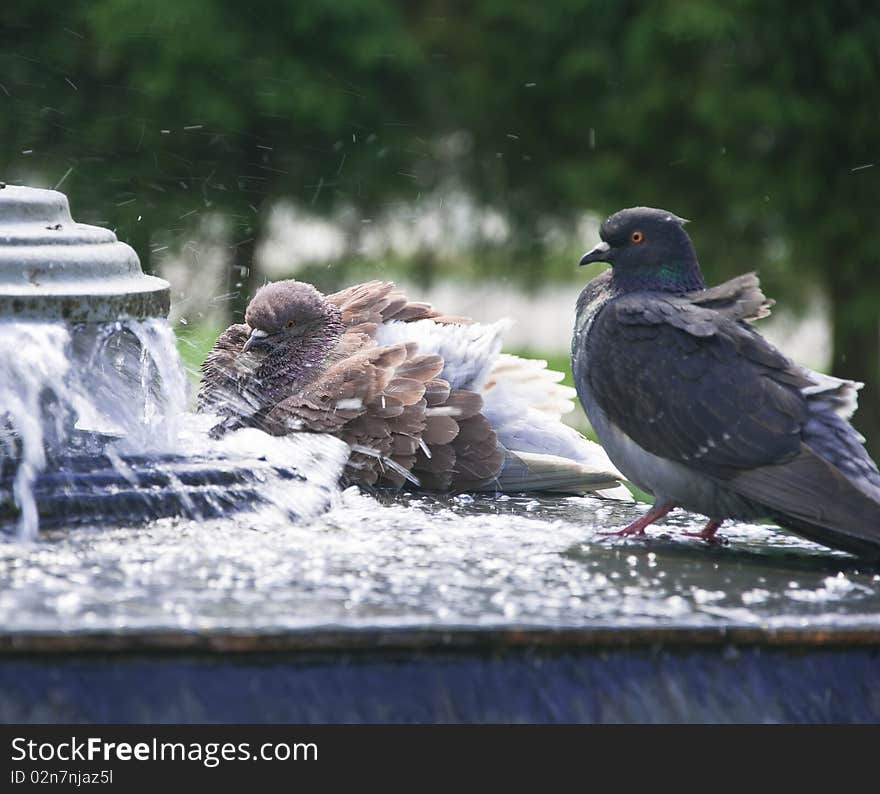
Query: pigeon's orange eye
x=291, y=323
x=637, y=237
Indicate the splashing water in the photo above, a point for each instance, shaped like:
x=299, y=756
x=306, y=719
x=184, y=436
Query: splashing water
x=32, y=358
x=424, y=561
x=60, y=386
x=91, y=412
x=138, y=360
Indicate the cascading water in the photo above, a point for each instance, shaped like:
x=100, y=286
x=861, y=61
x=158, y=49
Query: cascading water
x=93, y=422
x=65, y=391
x=32, y=357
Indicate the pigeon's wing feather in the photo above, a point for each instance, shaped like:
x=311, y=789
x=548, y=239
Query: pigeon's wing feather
x=525, y=402
x=469, y=351
x=478, y=458
x=349, y=399
x=529, y=471
x=366, y=306
x=832, y=401
x=812, y=497
x=687, y=383
x=834, y=395
x=374, y=398
x=740, y=298
x=338, y=394
x=459, y=449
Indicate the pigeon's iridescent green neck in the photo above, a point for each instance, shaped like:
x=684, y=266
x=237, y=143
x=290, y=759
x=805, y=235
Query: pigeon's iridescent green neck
x=671, y=272
x=671, y=276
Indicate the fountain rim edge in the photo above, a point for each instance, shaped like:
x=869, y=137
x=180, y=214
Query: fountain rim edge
x=452, y=639
x=82, y=308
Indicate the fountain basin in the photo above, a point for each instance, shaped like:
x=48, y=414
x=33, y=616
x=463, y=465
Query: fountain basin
x=426, y=609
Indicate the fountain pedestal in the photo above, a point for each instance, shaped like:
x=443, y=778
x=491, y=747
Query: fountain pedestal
x=52, y=268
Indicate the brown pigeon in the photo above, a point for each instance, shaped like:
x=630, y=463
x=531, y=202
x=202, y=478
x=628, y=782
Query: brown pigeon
x=419, y=396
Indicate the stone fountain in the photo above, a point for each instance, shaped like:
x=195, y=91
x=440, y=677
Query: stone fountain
x=210, y=583
x=92, y=394
x=52, y=268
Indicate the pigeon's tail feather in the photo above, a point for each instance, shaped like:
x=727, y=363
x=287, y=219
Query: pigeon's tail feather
x=815, y=499
x=861, y=548
x=834, y=394
x=528, y=471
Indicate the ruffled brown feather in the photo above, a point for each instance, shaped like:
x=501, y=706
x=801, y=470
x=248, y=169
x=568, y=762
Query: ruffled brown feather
x=387, y=402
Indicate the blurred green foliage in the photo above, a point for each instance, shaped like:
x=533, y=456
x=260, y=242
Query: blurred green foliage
x=757, y=120
x=194, y=342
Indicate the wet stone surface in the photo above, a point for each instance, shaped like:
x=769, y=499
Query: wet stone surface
x=409, y=561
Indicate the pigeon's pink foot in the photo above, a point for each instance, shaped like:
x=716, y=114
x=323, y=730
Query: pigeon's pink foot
x=707, y=533
x=638, y=526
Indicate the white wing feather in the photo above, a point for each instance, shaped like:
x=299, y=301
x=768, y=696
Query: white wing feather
x=468, y=351
x=533, y=384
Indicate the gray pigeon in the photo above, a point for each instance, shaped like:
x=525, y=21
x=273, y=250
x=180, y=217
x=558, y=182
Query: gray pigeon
x=418, y=397
x=699, y=410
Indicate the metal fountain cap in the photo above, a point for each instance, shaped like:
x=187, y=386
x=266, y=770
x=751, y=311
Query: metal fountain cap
x=54, y=268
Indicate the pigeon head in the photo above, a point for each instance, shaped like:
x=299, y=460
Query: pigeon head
x=648, y=249
x=285, y=310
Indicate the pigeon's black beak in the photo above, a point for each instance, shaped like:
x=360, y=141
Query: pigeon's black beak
x=256, y=339
x=598, y=254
